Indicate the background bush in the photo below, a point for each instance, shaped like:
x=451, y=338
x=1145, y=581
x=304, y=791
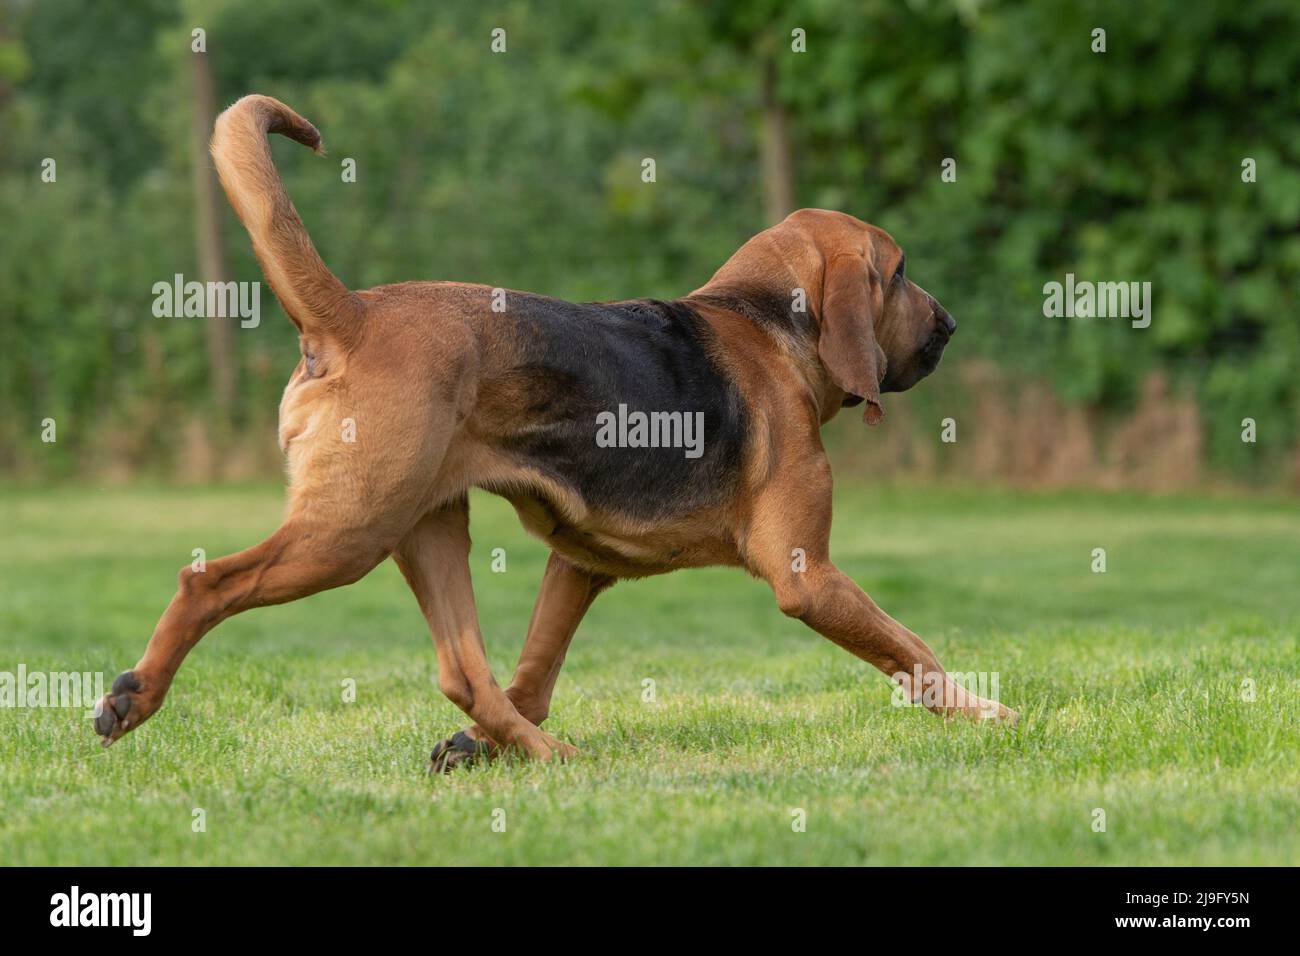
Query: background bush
x=523, y=170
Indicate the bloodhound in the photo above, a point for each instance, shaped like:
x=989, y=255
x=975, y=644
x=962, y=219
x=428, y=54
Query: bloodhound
x=450, y=386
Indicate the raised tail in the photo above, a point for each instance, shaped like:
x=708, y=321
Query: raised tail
x=312, y=295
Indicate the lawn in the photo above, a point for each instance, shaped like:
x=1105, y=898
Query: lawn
x=1163, y=692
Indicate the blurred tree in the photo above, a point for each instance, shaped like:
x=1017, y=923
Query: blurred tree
x=753, y=33
x=522, y=169
x=211, y=245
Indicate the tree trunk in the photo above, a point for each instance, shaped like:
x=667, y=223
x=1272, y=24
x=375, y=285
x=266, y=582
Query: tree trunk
x=778, y=166
x=220, y=335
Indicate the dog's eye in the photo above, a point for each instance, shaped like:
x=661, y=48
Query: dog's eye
x=898, y=273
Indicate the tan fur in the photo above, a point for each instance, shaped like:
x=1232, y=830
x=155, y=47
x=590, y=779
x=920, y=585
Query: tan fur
x=400, y=488
x=309, y=292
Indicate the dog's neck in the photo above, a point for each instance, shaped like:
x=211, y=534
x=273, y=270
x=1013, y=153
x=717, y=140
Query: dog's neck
x=794, y=331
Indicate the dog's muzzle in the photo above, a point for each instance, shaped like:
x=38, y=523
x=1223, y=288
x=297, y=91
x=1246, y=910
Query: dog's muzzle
x=945, y=325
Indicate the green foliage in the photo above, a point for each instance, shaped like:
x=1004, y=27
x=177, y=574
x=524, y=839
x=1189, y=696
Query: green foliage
x=523, y=169
x=1124, y=165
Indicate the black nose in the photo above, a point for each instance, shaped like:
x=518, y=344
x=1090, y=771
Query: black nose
x=947, y=321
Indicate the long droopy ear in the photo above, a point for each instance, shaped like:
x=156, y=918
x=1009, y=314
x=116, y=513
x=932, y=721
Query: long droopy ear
x=851, y=300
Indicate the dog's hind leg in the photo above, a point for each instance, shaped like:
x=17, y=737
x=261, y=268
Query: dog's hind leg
x=350, y=503
x=434, y=558
x=565, y=595
x=302, y=557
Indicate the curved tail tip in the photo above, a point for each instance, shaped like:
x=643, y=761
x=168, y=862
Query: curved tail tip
x=306, y=134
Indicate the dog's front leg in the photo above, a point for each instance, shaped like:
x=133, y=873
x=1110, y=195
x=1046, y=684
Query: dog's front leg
x=788, y=544
x=562, y=602
x=829, y=602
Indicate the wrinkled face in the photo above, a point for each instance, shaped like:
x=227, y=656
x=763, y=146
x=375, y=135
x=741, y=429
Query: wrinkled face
x=913, y=327
x=876, y=330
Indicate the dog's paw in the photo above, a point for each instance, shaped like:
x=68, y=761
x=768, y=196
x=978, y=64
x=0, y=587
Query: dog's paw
x=560, y=751
x=459, y=750
x=123, y=709
x=998, y=714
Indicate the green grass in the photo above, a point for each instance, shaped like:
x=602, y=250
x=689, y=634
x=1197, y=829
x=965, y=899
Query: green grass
x=1129, y=684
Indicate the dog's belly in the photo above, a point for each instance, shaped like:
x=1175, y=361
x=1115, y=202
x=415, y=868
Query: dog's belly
x=628, y=549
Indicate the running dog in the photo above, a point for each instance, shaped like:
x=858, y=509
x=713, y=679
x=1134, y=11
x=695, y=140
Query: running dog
x=408, y=395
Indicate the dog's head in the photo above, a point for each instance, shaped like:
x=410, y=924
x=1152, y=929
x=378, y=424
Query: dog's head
x=877, y=330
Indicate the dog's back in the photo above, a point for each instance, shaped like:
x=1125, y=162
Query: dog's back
x=593, y=394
